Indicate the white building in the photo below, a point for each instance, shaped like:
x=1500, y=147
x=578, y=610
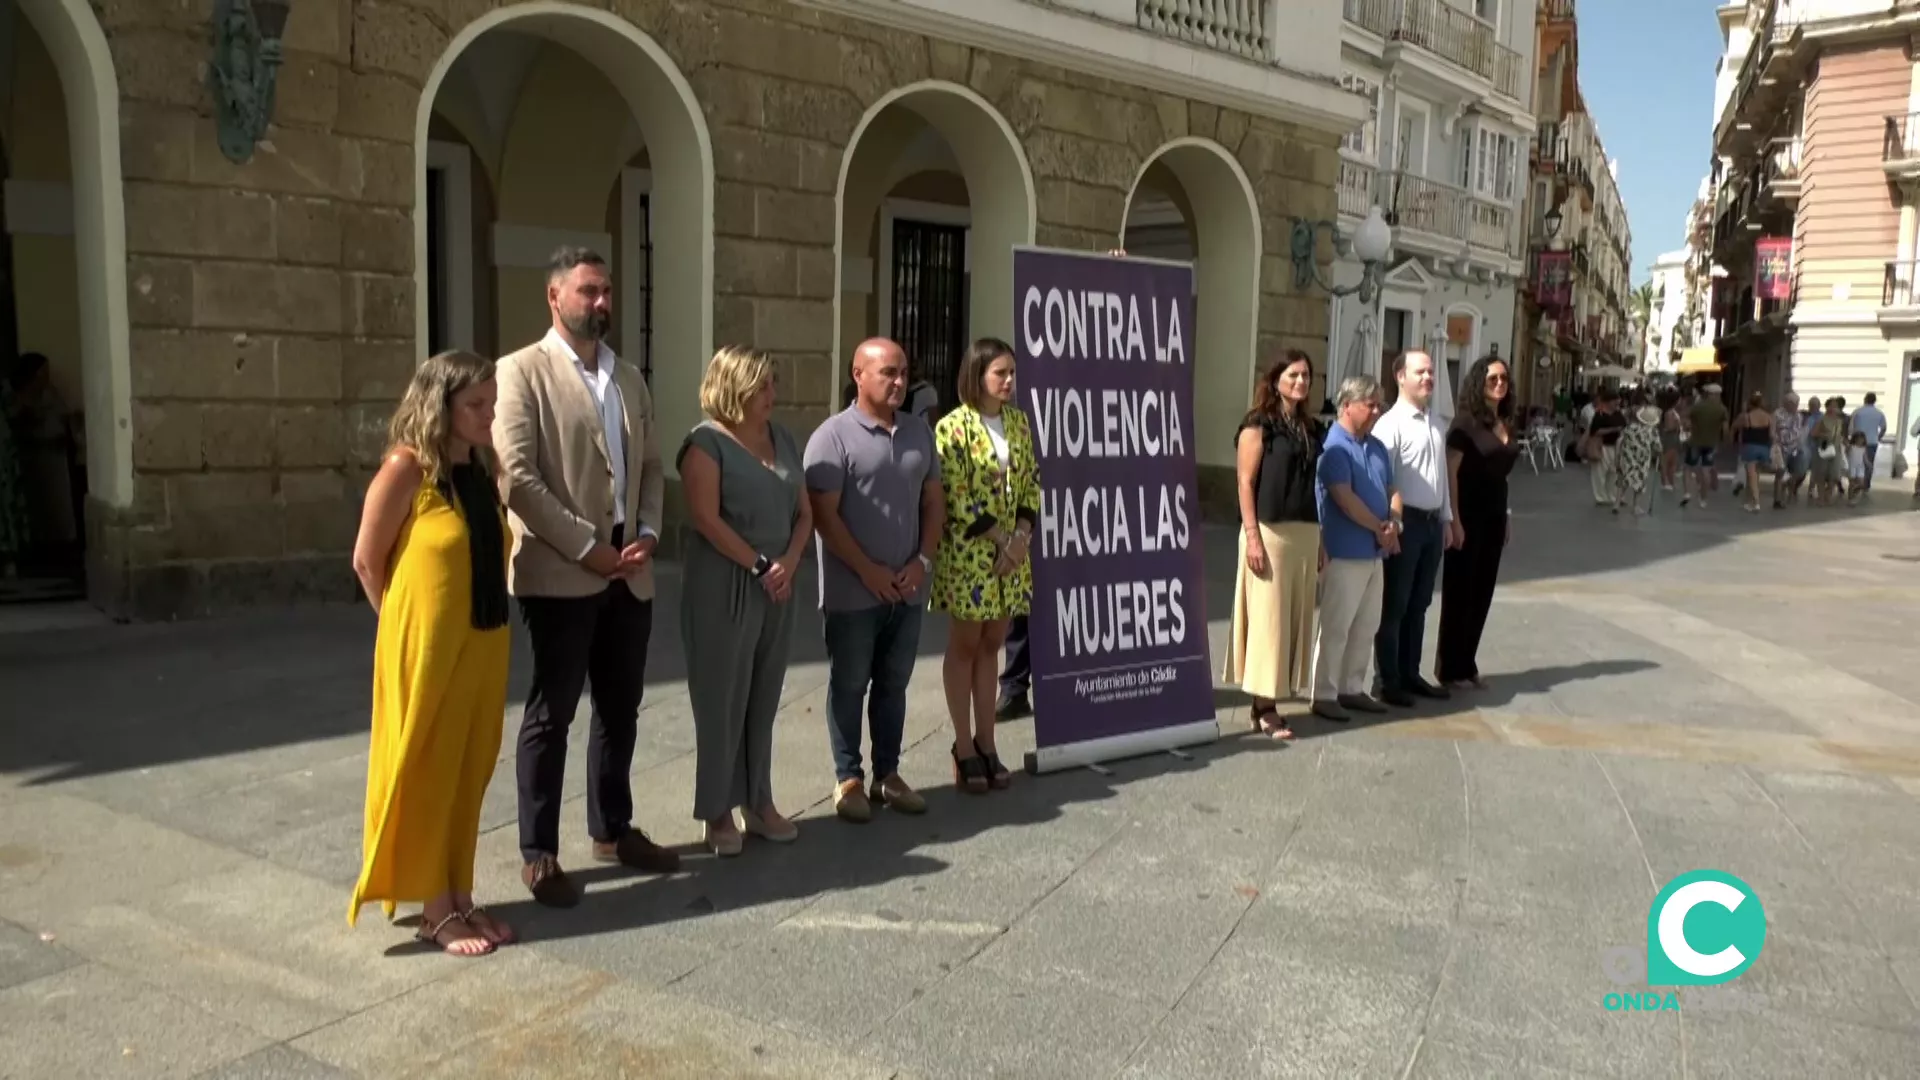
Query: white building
x=1669, y=309
x=1444, y=155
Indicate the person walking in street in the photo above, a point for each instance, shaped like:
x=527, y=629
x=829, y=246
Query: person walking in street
x=431, y=557
x=1869, y=421
x=1270, y=646
x=575, y=433
x=1481, y=452
x=984, y=578
x=1635, y=458
x=1670, y=437
x=1603, y=441
x=1789, y=450
x=1354, y=494
x=1753, y=429
x=1416, y=443
x=1706, y=430
x=873, y=476
x=1827, y=441
x=742, y=478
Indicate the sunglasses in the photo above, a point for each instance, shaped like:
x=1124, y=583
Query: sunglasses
x=1497, y=380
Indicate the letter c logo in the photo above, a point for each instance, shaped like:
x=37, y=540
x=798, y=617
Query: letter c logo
x=1729, y=921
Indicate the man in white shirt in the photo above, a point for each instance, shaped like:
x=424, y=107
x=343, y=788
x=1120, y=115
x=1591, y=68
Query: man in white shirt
x=1868, y=420
x=1416, y=442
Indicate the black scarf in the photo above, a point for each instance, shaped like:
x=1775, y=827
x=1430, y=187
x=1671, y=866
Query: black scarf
x=486, y=543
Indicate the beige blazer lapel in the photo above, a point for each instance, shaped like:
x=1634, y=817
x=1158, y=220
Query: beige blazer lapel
x=574, y=395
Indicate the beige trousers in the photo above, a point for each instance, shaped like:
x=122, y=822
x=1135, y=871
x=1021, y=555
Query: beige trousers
x=1351, y=591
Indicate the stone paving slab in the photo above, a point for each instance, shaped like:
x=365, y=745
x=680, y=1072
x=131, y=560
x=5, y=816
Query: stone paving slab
x=1429, y=896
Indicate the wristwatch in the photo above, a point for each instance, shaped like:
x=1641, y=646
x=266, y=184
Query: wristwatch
x=761, y=565
x=926, y=564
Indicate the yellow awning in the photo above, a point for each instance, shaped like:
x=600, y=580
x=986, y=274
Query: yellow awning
x=1696, y=361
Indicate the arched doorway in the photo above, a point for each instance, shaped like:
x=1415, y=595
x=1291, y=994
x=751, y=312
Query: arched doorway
x=934, y=195
x=1192, y=201
x=67, y=285
x=518, y=93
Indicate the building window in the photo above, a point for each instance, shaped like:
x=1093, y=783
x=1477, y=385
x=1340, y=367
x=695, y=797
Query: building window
x=1364, y=142
x=930, y=300
x=1489, y=162
x=1488, y=10
x=644, y=267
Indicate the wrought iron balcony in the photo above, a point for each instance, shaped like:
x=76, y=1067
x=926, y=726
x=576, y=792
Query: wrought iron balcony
x=1900, y=151
x=1780, y=170
x=1556, y=11
x=1443, y=30
x=1356, y=187
x=1441, y=210
x=1897, y=289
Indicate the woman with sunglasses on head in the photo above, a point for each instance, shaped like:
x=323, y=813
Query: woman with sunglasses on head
x=1481, y=451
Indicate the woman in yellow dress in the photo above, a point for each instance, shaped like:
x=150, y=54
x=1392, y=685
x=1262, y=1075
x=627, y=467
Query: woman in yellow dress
x=432, y=559
x=983, y=578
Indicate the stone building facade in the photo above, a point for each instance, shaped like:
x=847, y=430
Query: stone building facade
x=249, y=331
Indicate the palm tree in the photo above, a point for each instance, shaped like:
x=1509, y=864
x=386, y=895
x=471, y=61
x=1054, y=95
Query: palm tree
x=1641, y=302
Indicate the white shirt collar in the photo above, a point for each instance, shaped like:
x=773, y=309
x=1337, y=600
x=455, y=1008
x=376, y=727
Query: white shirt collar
x=603, y=357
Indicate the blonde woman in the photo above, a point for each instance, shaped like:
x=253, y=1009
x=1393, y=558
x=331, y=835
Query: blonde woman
x=432, y=559
x=742, y=477
x=983, y=578
x=1270, y=652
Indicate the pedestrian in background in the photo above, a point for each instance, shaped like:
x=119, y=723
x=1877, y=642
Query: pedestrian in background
x=742, y=478
x=1706, y=430
x=431, y=557
x=1354, y=493
x=1277, y=449
x=873, y=477
x=984, y=578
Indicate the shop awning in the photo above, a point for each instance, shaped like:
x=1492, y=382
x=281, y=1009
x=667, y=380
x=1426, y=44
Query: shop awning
x=1697, y=361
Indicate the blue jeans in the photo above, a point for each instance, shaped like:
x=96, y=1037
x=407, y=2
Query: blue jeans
x=870, y=655
x=1409, y=591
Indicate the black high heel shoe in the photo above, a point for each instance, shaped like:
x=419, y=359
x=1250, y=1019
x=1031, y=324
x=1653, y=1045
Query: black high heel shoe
x=998, y=776
x=970, y=773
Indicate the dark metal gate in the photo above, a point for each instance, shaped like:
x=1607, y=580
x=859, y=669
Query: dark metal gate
x=930, y=300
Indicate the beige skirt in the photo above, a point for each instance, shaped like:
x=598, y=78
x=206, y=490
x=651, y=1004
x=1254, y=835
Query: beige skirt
x=1270, y=652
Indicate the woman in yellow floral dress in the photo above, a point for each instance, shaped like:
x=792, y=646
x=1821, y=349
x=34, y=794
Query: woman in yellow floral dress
x=983, y=578
x=432, y=558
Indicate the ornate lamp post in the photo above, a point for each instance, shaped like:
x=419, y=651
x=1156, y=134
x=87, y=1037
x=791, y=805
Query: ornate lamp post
x=244, y=70
x=1372, y=242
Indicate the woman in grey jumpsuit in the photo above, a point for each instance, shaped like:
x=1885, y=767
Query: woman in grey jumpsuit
x=742, y=478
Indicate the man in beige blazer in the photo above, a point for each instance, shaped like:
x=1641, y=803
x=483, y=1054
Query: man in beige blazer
x=574, y=428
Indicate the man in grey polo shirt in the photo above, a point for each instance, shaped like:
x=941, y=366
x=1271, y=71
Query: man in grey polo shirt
x=873, y=476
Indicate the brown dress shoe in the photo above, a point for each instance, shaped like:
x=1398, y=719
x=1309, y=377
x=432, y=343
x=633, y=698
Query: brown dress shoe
x=635, y=850
x=549, y=884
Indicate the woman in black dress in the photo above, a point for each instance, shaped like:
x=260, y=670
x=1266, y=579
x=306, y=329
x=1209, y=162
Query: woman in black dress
x=1481, y=450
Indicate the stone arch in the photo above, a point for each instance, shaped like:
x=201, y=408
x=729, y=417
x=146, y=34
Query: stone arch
x=1000, y=211
x=81, y=56
x=682, y=182
x=1225, y=223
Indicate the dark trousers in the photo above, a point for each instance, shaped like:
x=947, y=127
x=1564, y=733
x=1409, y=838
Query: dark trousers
x=1017, y=678
x=1409, y=590
x=870, y=656
x=1466, y=594
x=599, y=640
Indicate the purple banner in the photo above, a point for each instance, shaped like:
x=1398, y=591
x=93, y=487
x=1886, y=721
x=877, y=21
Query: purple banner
x=1118, y=633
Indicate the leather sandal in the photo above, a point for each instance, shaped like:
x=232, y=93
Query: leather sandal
x=1267, y=722
x=970, y=772
x=431, y=934
x=998, y=776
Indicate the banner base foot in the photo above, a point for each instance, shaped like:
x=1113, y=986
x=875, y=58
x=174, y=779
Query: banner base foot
x=1093, y=752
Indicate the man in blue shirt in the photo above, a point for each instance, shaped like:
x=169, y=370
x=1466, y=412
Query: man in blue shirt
x=1868, y=420
x=1354, y=491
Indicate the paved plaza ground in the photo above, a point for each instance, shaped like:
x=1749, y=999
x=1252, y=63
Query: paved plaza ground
x=1433, y=896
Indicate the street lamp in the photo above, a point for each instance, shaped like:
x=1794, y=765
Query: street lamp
x=1372, y=242
x=1553, y=220
x=244, y=70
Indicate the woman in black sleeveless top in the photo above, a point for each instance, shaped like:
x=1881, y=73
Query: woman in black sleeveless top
x=1481, y=451
x=1270, y=649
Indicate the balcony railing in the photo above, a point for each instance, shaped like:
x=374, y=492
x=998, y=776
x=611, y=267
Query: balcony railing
x=1241, y=27
x=1447, y=32
x=1356, y=187
x=1897, y=289
x=1555, y=11
x=1781, y=168
x=1429, y=206
x=1903, y=138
